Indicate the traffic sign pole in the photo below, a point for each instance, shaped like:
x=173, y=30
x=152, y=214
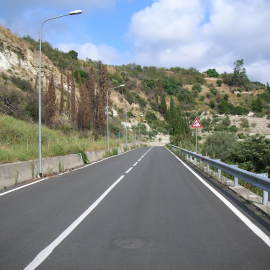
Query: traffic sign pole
x=196, y=140
x=196, y=124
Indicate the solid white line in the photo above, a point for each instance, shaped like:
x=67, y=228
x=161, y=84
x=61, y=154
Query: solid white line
x=247, y=221
x=41, y=256
x=24, y=186
x=55, y=176
x=129, y=170
x=135, y=164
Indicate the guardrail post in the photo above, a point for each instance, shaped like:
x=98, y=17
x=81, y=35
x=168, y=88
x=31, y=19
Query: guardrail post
x=265, y=193
x=236, y=183
x=265, y=197
x=219, y=174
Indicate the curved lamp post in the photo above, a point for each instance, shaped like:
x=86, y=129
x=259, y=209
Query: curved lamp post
x=74, y=12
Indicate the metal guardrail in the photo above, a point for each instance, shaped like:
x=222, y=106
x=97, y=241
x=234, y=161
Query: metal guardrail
x=257, y=180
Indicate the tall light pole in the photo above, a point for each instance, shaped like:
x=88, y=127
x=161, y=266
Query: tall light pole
x=107, y=114
x=75, y=12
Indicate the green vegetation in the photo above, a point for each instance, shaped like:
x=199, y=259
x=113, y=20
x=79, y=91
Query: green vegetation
x=212, y=73
x=252, y=153
x=60, y=59
x=113, y=152
x=18, y=141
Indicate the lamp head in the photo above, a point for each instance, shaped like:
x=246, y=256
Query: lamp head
x=75, y=12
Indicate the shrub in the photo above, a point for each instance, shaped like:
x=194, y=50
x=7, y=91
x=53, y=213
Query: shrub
x=150, y=117
x=212, y=73
x=22, y=84
x=219, y=145
x=219, y=83
x=197, y=87
x=244, y=123
x=213, y=91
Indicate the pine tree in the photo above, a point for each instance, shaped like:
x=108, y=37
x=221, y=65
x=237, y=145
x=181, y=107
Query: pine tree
x=68, y=95
x=163, y=106
x=178, y=125
x=268, y=88
x=61, y=107
x=103, y=91
x=73, y=101
x=50, y=103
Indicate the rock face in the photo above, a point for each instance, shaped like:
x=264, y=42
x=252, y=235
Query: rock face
x=19, y=60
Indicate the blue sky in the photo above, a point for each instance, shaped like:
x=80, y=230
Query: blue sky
x=194, y=33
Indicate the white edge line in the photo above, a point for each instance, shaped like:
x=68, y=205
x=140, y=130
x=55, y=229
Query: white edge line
x=55, y=176
x=239, y=214
x=43, y=255
x=24, y=186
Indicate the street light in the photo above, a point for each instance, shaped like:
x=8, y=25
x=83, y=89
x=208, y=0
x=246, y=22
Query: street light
x=107, y=113
x=75, y=12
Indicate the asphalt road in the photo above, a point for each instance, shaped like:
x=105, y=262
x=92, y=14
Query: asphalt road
x=126, y=214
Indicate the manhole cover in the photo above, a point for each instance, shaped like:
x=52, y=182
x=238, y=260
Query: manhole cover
x=131, y=243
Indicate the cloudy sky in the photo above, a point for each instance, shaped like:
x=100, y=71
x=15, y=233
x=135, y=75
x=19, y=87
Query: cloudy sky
x=186, y=33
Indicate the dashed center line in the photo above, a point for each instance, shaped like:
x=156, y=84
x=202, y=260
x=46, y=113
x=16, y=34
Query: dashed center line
x=135, y=164
x=129, y=170
x=45, y=253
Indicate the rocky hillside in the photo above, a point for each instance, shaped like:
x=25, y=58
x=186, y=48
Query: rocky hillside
x=142, y=105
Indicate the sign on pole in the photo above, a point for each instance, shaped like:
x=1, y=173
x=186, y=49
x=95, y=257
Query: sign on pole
x=196, y=124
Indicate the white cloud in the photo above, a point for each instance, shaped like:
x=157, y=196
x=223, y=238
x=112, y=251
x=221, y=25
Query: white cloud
x=203, y=34
x=89, y=50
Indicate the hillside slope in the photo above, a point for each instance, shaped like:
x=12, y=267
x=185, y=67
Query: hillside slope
x=141, y=105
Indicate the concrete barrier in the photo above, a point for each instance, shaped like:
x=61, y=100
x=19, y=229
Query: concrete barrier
x=95, y=155
x=15, y=173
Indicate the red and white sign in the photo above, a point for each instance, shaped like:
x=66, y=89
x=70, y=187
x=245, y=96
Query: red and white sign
x=196, y=123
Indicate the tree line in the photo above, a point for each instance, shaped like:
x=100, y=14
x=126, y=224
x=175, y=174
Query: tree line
x=82, y=99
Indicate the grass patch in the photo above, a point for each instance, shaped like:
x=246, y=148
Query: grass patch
x=19, y=141
x=113, y=152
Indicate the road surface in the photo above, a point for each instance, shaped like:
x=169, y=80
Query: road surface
x=142, y=210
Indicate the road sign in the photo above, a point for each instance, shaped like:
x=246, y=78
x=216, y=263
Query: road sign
x=196, y=123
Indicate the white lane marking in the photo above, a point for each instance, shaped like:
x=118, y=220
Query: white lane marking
x=245, y=220
x=43, y=255
x=128, y=170
x=77, y=169
x=24, y=186
x=134, y=165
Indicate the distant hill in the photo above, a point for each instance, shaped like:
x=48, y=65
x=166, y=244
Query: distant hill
x=74, y=92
